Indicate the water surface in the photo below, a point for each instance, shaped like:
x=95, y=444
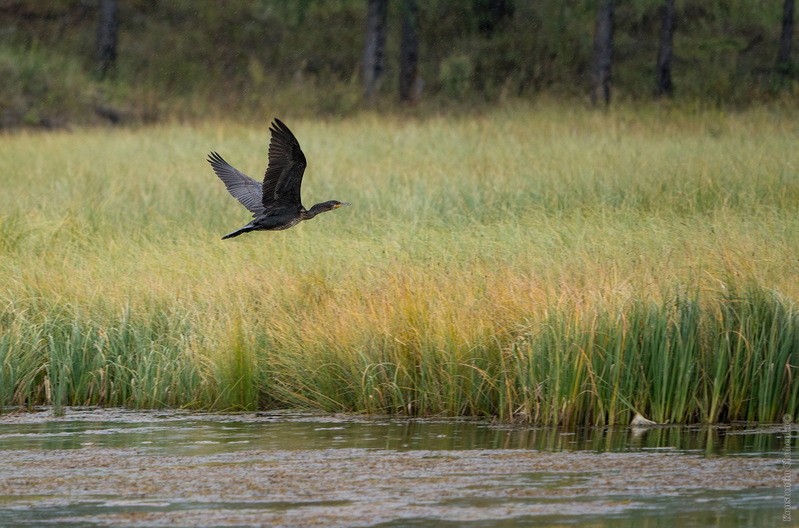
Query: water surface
x=95, y=467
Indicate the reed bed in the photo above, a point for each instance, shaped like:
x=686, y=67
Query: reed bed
x=536, y=263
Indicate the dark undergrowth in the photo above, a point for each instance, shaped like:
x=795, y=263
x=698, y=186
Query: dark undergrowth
x=187, y=60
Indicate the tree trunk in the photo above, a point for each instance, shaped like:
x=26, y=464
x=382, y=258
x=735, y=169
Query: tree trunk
x=786, y=38
x=409, y=82
x=603, y=53
x=492, y=14
x=374, y=49
x=107, y=37
x=663, y=84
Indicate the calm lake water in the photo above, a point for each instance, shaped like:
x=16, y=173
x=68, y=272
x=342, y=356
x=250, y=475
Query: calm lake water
x=111, y=467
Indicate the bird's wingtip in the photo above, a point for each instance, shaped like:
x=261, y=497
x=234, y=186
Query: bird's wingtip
x=280, y=127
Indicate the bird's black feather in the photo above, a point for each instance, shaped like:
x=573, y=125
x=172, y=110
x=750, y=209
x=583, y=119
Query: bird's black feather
x=283, y=178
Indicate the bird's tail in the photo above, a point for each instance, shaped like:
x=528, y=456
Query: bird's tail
x=237, y=232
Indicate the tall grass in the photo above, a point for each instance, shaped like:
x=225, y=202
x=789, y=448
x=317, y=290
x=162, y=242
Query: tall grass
x=537, y=263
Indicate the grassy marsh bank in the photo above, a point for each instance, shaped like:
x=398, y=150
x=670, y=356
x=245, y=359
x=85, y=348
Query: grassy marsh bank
x=537, y=263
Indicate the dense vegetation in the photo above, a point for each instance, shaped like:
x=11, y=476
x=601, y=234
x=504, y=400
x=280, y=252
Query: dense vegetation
x=187, y=59
x=510, y=255
x=532, y=263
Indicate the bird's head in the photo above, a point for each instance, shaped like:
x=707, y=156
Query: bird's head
x=324, y=207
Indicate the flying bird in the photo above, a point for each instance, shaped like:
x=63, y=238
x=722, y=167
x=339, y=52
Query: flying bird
x=275, y=204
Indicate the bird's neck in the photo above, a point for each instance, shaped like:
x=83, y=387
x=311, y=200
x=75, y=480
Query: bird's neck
x=306, y=214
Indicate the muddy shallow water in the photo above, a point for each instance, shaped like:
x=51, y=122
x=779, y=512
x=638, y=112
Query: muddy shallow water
x=95, y=467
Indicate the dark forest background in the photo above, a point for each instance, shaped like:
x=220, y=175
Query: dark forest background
x=130, y=61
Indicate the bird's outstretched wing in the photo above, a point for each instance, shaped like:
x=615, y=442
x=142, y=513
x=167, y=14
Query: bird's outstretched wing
x=283, y=178
x=242, y=187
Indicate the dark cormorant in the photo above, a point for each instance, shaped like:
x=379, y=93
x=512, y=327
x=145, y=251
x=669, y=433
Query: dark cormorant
x=275, y=204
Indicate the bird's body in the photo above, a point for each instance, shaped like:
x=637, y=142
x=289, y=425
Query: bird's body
x=275, y=204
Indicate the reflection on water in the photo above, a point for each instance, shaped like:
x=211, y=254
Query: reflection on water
x=129, y=468
x=282, y=430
